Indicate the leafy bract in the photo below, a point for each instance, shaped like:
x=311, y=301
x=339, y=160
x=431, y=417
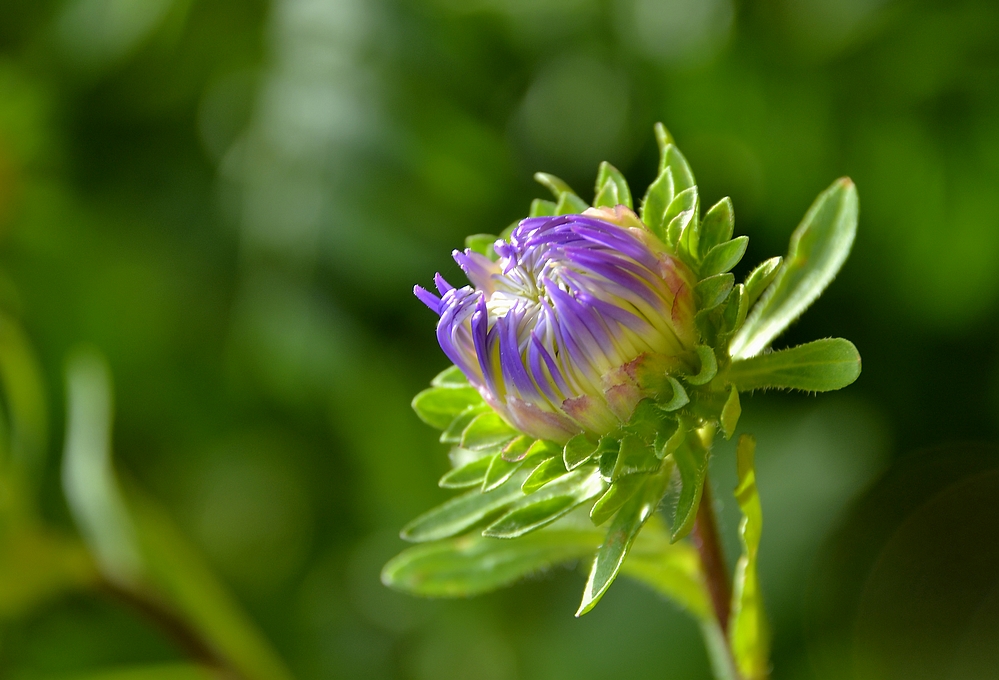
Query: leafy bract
x=819, y=366
x=749, y=634
x=621, y=534
x=461, y=512
x=819, y=247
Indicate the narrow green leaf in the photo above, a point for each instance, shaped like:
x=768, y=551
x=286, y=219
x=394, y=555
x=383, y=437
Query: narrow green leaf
x=439, y=406
x=452, y=435
x=137, y=545
x=88, y=478
x=713, y=290
x=450, y=377
x=547, y=504
x=577, y=451
x=620, y=536
x=24, y=399
x=819, y=247
x=657, y=200
x=482, y=244
x=724, y=256
x=486, y=430
x=731, y=412
x=663, y=139
x=518, y=449
x=736, y=307
x=679, y=398
x=760, y=278
x=548, y=471
x=469, y=474
x=692, y=463
x=665, y=445
x=607, y=197
x=608, y=174
x=554, y=184
x=471, y=565
x=709, y=366
x=542, y=208
x=461, y=513
x=499, y=471
x=617, y=494
x=634, y=456
x=541, y=449
x=749, y=634
x=683, y=178
x=684, y=207
x=819, y=366
x=570, y=204
x=717, y=226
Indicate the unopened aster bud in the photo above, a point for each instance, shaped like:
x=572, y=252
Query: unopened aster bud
x=560, y=332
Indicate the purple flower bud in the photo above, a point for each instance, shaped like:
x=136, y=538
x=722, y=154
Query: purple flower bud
x=579, y=319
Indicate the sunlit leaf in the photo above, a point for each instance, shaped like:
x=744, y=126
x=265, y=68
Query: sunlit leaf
x=724, y=256
x=709, y=366
x=439, y=406
x=549, y=470
x=486, y=430
x=616, y=496
x=469, y=474
x=577, y=451
x=621, y=534
x=452, y=434
x=609, y=176
x=819, y=366
x=542, y=208
x=470, y=565
x=691, y=459
x=482, y=244
x=656, y=201
x=500, y=470
x=461, y=513
x=819, y=247
x=717, y=226
x=450, y=377
x=731, y=412
x=749, y=633
x=547, y=504
x=635, y=455
x=760, y=278
x=713, y=290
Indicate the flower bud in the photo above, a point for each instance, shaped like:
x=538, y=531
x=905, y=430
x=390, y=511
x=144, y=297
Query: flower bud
x=572, y=325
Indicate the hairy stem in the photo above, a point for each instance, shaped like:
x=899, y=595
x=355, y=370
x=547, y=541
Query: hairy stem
x=706, y=539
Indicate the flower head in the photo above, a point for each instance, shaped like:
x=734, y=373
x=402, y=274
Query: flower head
x=554, y=333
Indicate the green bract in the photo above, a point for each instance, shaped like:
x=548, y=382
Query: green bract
x=592, y=496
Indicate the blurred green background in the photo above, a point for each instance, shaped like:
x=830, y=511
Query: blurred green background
x=231, y=200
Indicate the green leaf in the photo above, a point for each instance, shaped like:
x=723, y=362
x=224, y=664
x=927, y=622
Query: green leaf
x=657, y=200
x=717, y=226
x=519, y=449
x=607, y=197
x=570, y=204
x=485, y=431
x=541, y=449
x=724, y=256
x=760, y=278
x=547, y=504
x=734, y=314
x=608, y=176
x=450, y=377
x=461, y=513
x=482, y=244
x=692, y=463
x=665, y=445
x=749, y=633
x=679, y=398
x=452, y=435
x=439, y=406
x=681, y=211
x=24, y=401
x=548, y=471
x=88, y=477
x=634, y=456
x=567, y=200
x=731, y=412
x=620, y=536
x=469, y=474
x=713, y=290
x=499, y=471
x=619, y=493
x=542, y=208
x=138, y=549
x=819, y=247
x=709, y=366
x=577, y=451
x=471, y=565
x=819, y=366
